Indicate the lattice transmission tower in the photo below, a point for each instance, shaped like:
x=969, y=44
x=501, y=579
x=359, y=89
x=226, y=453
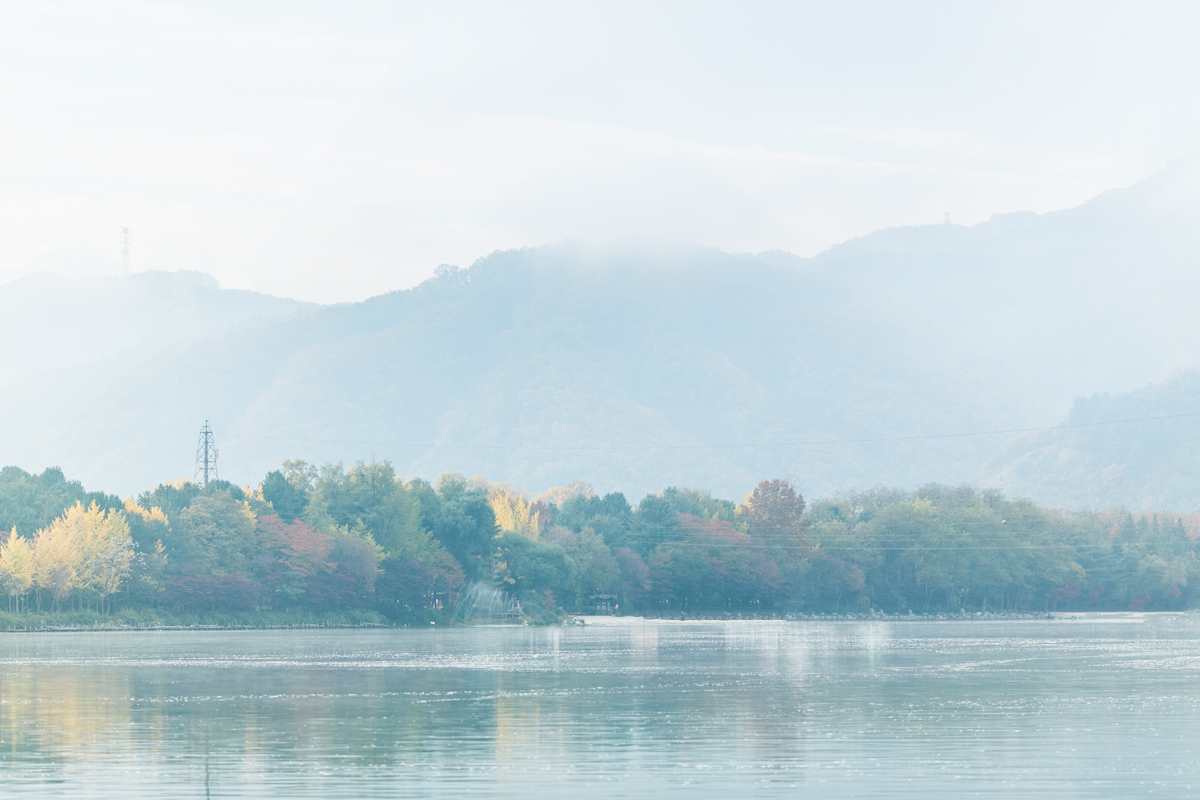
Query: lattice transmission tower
x=206, y=457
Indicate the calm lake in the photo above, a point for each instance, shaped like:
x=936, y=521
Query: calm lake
x=1098, y=707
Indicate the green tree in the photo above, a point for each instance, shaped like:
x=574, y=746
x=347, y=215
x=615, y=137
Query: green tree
x=287, y=501
x=610, y=516
x=596, y=569
x=528, y=565
x=29, y=502
x=653, y=523
x=171, y=498
x=462, y=520
x=370, y=495
x=214, y=535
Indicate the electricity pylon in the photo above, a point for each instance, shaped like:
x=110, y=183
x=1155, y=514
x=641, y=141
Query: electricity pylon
x=206, y=457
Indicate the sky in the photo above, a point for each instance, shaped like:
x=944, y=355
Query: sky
x=333, y=151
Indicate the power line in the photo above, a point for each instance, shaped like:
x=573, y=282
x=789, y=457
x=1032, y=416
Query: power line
x=808, y=443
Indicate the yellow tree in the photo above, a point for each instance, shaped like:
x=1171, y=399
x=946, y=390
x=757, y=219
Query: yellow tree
x=16, y=568
x=85, y=548
x=107, y=553
x=154, y=515
x=514, y=514
x=56, y=561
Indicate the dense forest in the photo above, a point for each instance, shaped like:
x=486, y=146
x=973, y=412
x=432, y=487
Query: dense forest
x=364, y=543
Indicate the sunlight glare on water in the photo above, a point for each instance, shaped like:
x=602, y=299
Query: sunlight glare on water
x=1088, y=708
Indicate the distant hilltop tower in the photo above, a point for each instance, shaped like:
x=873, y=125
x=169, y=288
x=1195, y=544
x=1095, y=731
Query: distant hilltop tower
x=206, y=457
x=125, y=267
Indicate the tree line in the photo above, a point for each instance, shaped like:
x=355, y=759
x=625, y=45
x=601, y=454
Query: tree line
x=331, y=539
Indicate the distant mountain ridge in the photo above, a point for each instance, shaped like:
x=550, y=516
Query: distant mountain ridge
x=635, y=365
x=73, y=322
x=69, y=341
x=1149, y=464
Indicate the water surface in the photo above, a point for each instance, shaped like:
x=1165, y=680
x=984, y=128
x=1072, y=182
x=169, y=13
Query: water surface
x=768, y=709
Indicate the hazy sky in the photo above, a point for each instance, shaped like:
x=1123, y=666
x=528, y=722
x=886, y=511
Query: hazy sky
x=332, y=151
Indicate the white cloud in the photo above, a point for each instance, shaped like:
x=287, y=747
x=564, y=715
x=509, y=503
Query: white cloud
x=333, y=153
x=411, y=190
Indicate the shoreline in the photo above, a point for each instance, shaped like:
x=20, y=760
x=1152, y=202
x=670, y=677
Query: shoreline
x=1059, y=616
x=601, y=621
x=114, y=628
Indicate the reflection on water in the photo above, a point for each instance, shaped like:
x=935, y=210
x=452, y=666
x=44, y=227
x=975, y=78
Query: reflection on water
x=1070, y=709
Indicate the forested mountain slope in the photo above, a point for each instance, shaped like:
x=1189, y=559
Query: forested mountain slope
x=514, y=365
x=636, y=365
x=1102, y=297
x=1145, y=465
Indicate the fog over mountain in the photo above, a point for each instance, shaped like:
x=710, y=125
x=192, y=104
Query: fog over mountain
x=636, y=364
x=1146, y=464
x=65, y=323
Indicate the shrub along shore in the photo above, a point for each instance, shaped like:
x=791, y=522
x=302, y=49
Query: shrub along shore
x=83, y=621
x=331, y=546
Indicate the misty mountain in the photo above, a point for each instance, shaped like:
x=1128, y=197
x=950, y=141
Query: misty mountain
x=1092, y=461
x=69, y=341
x=63, y=323
x=1102, y=297
x=554, y=364
x=636, y=365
